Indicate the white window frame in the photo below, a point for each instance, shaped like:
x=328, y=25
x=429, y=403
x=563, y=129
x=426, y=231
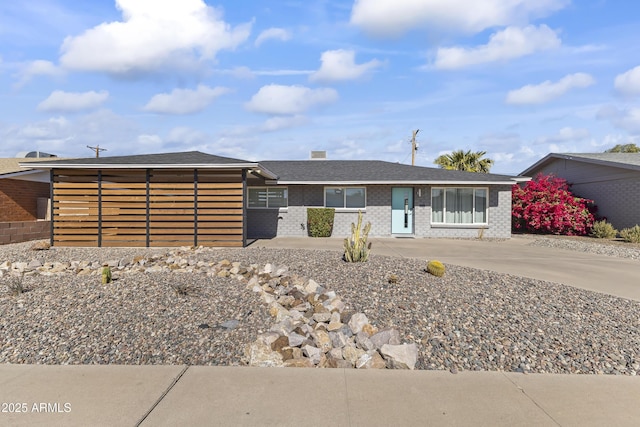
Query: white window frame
x=268, y=188
x=344, y=197
x=473, y=208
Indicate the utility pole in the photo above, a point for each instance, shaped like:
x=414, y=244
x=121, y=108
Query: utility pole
x=97, y=149
x=414, y=147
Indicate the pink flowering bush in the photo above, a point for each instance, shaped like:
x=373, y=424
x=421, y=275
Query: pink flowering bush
x=545, y=205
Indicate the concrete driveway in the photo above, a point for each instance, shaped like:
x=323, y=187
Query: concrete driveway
x=610, y=275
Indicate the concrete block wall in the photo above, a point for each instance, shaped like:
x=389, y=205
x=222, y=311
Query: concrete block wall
x=617, y=200
x=19, y=199
x=24, y=231
x=292, y=221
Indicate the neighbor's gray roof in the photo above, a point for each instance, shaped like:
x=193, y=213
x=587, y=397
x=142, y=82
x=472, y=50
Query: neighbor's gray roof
x=373, y=171
x=619, y=160
x=189, y=159
x=11, y=165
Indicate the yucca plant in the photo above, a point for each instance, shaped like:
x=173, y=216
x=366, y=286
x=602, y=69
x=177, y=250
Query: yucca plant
x=356, y=248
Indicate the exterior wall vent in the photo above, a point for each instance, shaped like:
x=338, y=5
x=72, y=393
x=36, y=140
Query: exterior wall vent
x=318, y=155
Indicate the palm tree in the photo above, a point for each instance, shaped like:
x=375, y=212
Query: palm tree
x=470, y=162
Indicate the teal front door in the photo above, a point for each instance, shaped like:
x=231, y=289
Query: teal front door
x=402, y=210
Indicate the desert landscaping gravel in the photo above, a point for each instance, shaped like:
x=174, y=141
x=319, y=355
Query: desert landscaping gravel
x=467, y=320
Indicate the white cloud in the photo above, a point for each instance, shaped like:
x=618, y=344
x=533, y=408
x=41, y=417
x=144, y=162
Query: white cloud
x=184, y=101
x=274, y=124
x=273, y=34
x=510, y=43
x=628, y=83
x=626, y=119
x=289, y=100
x=341, y=65
x=548, y=90
x=38, y=68
x=396, y=17
x=566, y=134
x=60, y=101
x=153, y=34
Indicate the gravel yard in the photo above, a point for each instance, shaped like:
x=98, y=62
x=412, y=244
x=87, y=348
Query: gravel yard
x=467, y=320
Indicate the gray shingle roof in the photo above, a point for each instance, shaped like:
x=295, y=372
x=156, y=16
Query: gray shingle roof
x=620, y=160
x=183, y=158
x=372, y=171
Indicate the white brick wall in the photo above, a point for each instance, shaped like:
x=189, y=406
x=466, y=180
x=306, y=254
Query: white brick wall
x=292, y=221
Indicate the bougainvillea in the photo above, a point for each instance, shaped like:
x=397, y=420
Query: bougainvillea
x=546, y=205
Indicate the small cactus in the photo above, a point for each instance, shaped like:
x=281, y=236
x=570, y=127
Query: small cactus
x=393, y=279
x=356, y=248
x=436, y=268
x=106, y=274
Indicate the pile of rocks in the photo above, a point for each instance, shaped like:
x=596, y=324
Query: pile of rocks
x=314, y=329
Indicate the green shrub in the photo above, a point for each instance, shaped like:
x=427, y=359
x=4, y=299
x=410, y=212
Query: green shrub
x=436, y=268
x=356, y=248
x=320, y=221
x=631, y=235
x=603, y=230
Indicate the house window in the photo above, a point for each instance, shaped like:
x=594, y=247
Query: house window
x=345, y=197
x=459, y=205
x=268, y=197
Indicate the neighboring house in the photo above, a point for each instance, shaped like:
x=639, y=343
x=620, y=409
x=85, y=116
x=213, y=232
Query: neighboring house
x=24, y=193
x=612, y=180
x=193, y=198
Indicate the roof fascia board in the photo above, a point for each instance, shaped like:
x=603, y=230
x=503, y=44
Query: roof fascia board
x=549, y=157
x=602, y=162
x=511, y=182
x=21, y=173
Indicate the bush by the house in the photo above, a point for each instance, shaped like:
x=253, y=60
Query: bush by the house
x=603, y=230
x=546, y=205
x=631, y=235
x=320, y=221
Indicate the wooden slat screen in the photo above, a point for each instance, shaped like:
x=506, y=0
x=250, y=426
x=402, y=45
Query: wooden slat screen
x=220, y=209
x=160, y=213
x=124, y=208
x=75, y=208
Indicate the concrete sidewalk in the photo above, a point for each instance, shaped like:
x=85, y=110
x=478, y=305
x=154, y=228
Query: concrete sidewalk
x=605, y=274
x=242, y=396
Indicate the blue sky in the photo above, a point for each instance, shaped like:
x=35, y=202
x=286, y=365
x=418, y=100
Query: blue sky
x=263, y=80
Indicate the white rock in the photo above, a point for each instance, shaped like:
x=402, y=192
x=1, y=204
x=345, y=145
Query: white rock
x=357, y=321
x=311, y=286
x=259, y=354
x=312, y=353
x=402, y=356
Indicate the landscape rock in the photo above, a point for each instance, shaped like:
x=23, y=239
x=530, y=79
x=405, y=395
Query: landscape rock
x=403, y=356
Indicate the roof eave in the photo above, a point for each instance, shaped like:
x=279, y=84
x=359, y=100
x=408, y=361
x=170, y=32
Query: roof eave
x=423, y=182
x=21, y=173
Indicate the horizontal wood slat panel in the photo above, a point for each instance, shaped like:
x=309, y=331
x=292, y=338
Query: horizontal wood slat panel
x=218, y=185
x=167, y=207
x=74, y=244
x=124, y=244
x=77, y=237
x=128, y=237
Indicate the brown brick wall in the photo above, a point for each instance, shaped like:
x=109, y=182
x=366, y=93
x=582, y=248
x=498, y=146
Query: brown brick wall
x=24, y=231
x=19, y=199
